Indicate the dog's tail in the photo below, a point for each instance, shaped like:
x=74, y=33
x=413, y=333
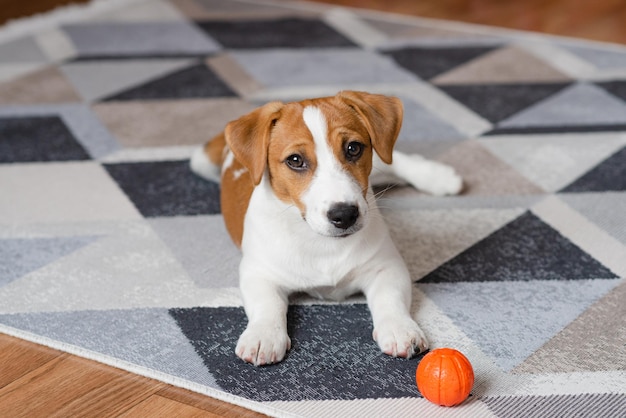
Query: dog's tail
x=206, y=161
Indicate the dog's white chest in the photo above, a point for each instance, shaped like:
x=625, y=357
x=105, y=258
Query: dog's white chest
x=278, y=242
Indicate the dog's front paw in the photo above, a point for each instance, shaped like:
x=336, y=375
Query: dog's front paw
x=263, y=345
x=400, y=338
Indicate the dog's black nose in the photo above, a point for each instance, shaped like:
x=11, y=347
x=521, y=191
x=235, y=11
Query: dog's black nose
x=343, y=215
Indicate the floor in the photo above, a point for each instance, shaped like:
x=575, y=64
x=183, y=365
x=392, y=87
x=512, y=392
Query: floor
x=601, y=20
x=39, y=381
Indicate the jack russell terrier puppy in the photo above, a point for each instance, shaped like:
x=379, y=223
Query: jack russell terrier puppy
x=296, y=198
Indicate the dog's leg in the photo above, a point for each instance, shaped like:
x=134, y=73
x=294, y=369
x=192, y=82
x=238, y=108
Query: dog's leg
x=265, y=339
x=389, y=299
x=429, y=176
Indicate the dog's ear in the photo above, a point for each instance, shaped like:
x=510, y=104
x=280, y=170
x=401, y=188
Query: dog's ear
x=248, y=138
x=382, y=117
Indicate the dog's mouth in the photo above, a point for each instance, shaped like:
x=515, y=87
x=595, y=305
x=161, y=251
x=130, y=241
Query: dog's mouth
x=342, y=235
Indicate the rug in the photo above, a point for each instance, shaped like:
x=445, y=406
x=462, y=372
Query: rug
x=112, y=250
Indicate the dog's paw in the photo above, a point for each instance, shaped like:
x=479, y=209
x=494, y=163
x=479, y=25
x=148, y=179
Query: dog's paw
x=433, y=177
x=443, y=180
x=262, y=345
x=400, y=338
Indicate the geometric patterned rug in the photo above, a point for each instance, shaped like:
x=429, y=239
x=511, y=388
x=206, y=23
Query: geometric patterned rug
x=111, y=249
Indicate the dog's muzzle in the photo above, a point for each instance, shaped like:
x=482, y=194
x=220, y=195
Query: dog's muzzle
x=343, y=215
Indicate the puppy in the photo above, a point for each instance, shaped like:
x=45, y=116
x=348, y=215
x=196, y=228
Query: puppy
x=296, y=198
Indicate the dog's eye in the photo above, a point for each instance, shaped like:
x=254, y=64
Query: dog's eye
x=296, y=162
x=354, y=150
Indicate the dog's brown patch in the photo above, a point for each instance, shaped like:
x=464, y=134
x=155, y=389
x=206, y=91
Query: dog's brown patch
x=265, y=138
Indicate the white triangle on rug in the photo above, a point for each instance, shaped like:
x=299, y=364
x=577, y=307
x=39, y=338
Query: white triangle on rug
x=203, y=247
x=554, y=161
x=130, y=267
x=56, y=45
x=22, y=255
x=404, y=407
x=428, y=238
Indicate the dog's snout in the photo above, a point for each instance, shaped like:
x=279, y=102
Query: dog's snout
x=343, y=215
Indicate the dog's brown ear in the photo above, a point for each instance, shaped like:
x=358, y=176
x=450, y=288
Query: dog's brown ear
x=248, y=138
x=382, y=117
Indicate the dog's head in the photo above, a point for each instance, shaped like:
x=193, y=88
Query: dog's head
x=317, y=154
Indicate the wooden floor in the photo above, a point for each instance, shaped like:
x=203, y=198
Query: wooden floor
x=600, y=20
x=36, y=381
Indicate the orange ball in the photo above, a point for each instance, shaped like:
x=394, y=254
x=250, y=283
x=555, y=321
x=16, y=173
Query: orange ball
x=445, y=377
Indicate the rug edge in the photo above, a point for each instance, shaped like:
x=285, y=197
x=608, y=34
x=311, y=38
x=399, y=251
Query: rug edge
x=29, y=25
x=142, y=371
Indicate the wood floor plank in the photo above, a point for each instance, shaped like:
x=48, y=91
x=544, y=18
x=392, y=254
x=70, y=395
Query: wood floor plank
x=601, y=20
x=15, y=362
x=207, y=403
x=157, y=406
x=113, y=398
x=12, y=9
x=71, y=386
x=48, y=382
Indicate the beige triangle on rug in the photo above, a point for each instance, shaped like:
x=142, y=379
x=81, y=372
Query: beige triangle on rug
x=505, y=65
x=588, y=343
x=484, y=174
x=139, y=124
x=47, y=85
